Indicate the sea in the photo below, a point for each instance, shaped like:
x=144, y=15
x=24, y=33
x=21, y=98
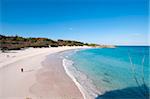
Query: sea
x=111, y=73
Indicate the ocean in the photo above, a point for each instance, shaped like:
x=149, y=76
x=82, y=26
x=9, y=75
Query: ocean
x=111, y=73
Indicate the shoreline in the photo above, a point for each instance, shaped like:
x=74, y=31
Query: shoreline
x=31, y=59
x=75, y=81
x=88, y=93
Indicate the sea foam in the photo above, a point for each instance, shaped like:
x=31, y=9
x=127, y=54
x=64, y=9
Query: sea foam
x=81, y=80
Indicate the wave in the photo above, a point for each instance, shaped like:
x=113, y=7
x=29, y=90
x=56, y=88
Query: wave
x=81, y=80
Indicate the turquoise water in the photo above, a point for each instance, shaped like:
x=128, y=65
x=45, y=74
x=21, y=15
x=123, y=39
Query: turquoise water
x=111, y=72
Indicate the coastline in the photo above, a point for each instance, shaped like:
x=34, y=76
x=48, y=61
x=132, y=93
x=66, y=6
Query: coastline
x=81, y=80
x=75, y=81
x=32, y=61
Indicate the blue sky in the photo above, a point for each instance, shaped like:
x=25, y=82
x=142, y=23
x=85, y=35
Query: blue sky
x=119, y=22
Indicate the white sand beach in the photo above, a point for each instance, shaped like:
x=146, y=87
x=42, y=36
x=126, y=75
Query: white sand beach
x=37, y=81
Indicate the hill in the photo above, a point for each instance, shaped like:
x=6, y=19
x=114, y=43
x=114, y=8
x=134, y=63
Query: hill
x=17, y=42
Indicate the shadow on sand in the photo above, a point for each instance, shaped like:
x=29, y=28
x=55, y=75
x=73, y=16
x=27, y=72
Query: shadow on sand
x=141, y=92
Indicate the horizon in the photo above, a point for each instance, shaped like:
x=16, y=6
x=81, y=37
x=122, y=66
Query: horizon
x=110, y=22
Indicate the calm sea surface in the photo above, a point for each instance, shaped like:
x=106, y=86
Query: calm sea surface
x=111, y=73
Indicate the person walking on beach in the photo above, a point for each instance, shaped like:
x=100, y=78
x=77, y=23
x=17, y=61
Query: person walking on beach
x=21, y=69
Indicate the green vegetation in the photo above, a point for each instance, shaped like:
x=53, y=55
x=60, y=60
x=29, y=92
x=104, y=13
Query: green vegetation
x=94, y=45
x=16, y=42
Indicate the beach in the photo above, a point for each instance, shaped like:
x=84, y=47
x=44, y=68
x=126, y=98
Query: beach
x=43, y=75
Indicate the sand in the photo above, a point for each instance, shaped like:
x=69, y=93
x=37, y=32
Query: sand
x=43, y=78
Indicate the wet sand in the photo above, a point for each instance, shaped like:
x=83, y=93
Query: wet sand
x=53, y=82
